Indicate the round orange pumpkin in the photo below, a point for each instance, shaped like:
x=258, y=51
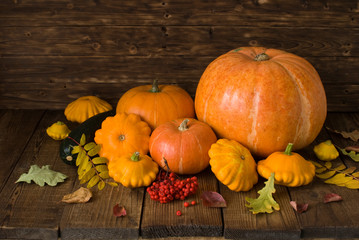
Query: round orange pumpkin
x=183, y=144
x=263, y=98
x=123, y=134
x=157, y=104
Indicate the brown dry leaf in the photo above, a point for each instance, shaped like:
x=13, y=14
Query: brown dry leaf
x=81, y=195
x=299, y=207
x=352, y=148
x=213, y=199
x=332, y=197
x=353, y=135
x=119, y=211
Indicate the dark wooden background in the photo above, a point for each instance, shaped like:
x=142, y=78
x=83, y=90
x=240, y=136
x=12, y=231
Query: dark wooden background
x=54, y=51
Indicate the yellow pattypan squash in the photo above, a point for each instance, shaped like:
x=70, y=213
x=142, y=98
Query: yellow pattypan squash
x=58, y=131
x=85, y=107
x=326, y=151
x=290, y=168
x=133, y=170
x=123, y=134
x=233, y=165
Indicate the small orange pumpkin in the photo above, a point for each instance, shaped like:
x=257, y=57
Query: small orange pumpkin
x=262, y=98
x=184, y=144
x=123, y=134
x=157, y=104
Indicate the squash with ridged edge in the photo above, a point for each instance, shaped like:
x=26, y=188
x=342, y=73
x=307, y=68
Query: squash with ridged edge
x=290, y=169
x=123, y=134
x=233, y=165
x=133, y=170
x=85, y=107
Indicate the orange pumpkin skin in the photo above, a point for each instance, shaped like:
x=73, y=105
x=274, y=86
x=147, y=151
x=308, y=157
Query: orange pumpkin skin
x=263, y=104
x=166, y=103
x=186, y=151
x=123, y=134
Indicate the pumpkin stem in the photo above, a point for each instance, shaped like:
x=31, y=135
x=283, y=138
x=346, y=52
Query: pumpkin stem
x=135, y=157
x=261, y=57
x=155, y=88
x=60, y=123
x=288, y=150
x=183, y=126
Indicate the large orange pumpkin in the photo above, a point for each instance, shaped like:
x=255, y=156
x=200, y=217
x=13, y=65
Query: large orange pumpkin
x=184, y=144
x=263, y=98
x=157, y=104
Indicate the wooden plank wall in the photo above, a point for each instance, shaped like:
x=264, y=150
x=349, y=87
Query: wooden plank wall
x=54, y=51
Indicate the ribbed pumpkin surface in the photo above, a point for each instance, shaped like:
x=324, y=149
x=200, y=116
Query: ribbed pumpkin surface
x=262, y=103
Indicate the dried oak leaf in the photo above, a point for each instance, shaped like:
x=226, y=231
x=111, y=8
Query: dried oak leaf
x=81, y=195
x=265, y=203
x=299, y=207
x=332, y=197
x=213, y=199
x=353, y=135
x=119, y=211
x=351, y=153
x=42, y=175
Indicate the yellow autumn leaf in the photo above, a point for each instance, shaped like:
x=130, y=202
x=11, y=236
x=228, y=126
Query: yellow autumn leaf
x=90, y=146
x=93, y=181
x=340, y=167
x=339, y=179
x=104, y=175
x=82, y=140
x=94, y=151
x=113, y=184
x=326, y=175
x=353, y=184
x=101, y=168
x=320, y=170
x=328, y=165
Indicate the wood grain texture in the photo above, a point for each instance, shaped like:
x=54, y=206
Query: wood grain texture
x=16, y=128
x=331, y=219
x=28, y=210
x=95, y=219
x=163, y=41
x=240, y=223
x=62, y=47
x=160, y=220
x=245, y=13
x=53, y=82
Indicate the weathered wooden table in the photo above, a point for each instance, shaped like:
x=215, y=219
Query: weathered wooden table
x=28, y=211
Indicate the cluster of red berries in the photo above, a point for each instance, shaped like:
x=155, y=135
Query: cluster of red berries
x=168, y=187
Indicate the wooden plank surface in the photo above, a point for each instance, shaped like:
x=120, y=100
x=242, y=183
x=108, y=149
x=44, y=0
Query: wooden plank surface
x=176, y=12
x=16, y=128
x=338, y=219
x=53, y=82
x=61, y=48
x=160, y=41
x=95, y=220
x=240, y=223
x=28, y=210
x=160, y=220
